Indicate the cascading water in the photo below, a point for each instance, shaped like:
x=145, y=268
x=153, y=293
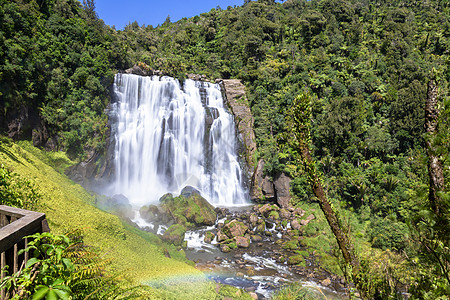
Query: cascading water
x=167, y=138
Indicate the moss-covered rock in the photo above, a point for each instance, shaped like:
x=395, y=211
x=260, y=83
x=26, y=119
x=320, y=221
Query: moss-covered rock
x=274, y=215
x=209, y=236
x=234, y=229
x=242, y=242
x=174, y=234
x=189, y=209
x=291, y=245
x=149, y=213
x=296, y=260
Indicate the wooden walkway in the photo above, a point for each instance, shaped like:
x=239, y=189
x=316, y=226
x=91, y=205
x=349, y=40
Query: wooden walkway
x=15, y=224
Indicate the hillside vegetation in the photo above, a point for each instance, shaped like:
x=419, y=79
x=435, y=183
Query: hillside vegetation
x=138, y=257
x=365, y=65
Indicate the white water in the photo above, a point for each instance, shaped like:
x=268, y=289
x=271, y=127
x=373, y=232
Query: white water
x=164, y=143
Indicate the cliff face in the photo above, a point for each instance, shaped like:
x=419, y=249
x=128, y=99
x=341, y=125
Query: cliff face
x=263, y=188
x=238, y=103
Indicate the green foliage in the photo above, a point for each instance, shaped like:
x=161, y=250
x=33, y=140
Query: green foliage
x=298, y=292
x=16, y=191
x=62, y=267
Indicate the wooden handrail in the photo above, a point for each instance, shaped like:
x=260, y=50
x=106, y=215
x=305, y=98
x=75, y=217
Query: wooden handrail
x=15, y=225
x=26, y=223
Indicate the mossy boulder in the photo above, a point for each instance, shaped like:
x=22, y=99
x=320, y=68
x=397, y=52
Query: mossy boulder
x=209, y=237
x=242, y=242
x=149, y=213
x=291, y=245
x=296, y=260
x=234, y=229
x=174, y=234
x=189, y=209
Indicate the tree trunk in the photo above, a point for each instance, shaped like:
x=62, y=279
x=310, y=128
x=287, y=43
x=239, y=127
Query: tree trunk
x=434, y=164
x=300, y=127
x=344, y=243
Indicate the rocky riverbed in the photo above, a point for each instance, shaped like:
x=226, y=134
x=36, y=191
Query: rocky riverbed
x=253, y=249
x=259, y=248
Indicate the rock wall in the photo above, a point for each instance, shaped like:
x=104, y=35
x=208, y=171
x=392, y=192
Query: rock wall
x=238, y=103
x=263, y=188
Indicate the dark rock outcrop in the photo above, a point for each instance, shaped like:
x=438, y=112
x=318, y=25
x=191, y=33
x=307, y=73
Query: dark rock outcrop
x=282, y=184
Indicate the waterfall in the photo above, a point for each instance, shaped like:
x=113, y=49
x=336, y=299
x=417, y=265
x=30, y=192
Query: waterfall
x=168, y=137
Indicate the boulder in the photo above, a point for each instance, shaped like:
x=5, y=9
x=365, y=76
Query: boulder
x=295, y=260
x=326, y=282
x=209, y=237
x=190, y=208
x=225, y=248
x=282, y=183
x=256, y=238
x=285, y=214
x=307, y=220
x=174, y=234
x=149, y=213
x=262, y=187
x=299, y=212
x=242, y=242
x=253, y=219
x=295, y=224
x=234, y=229
x=266, y=209
x=221, y=236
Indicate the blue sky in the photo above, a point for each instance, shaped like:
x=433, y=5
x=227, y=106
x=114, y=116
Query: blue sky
x=154, y=12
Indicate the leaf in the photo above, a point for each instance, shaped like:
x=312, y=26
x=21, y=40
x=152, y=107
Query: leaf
x=57, y=282
x=31, y=262
x=40, y=293
x=62, y=294
x=51, y=295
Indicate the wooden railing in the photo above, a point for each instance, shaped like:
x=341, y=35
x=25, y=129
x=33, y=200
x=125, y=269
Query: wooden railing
x=15, y=224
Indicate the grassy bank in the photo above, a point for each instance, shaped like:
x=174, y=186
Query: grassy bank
x=138, y=255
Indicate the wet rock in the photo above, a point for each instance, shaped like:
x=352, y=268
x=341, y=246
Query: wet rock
x=149, y=213
x=242, y=242
x=239, y=274
x=222, y=212
x=326, y=282
x=282, y=184
x=221, y=236
x=225, y=248
x=253, y=219
x=253, y=295
x=234, y=229
x=295, y=224
x=174, y=234
x=256, y=238
x=261, y=228
x=209, y=236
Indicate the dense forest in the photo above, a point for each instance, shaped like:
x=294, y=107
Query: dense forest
x=365, y=66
